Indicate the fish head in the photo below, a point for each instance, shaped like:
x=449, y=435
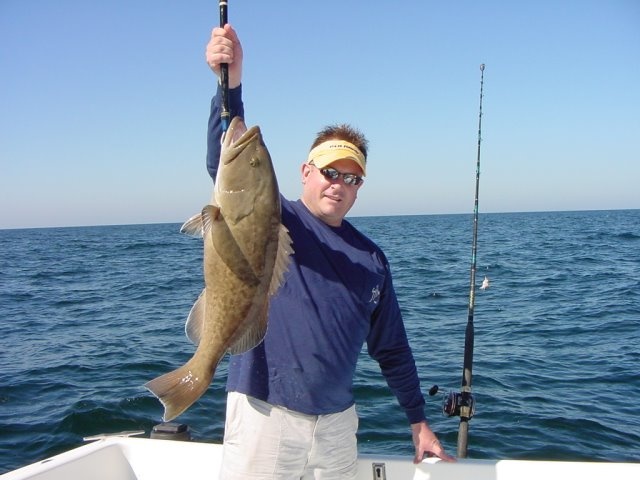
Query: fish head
x=245, y=172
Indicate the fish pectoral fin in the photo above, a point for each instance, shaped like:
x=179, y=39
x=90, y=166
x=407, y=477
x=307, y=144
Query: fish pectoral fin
x=193, y=226
x=283, y=258
x=195, y=321
x=254, y=334
x=210, y=214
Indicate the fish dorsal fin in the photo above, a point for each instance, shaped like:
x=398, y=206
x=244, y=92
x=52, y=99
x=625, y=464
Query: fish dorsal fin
x=193, y=226
x=226, y=245
x=195, y=321
x=283, y=258
x=254, y=335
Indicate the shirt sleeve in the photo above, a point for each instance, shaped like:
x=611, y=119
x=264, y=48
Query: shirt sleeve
x=214, y=130
x=387, y=343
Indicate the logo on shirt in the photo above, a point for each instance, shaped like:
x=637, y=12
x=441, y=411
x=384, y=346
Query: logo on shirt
x=375, y=295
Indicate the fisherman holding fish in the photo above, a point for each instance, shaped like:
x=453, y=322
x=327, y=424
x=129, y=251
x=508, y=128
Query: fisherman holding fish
x=290, y=406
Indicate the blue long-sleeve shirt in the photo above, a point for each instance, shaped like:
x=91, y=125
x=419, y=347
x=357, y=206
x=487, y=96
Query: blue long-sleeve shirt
x=337, y=294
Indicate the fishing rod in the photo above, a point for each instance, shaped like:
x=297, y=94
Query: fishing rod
x=225, y=115
x=466, y=401
x=462, y=403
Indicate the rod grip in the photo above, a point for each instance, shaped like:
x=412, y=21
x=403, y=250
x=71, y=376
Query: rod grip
x=224, y=74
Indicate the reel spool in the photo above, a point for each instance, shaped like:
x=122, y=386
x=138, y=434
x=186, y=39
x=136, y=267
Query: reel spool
x=456, y=404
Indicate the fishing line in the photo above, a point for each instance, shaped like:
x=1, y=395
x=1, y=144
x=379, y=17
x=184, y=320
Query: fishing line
x=466, y=402
x=225, y=115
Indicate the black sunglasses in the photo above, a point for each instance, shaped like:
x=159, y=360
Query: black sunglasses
x=347, y=178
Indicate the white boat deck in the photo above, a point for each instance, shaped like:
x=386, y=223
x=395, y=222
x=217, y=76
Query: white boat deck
x=120, y=458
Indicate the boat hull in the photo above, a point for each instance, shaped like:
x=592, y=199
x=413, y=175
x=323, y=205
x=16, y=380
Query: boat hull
x=121, y=458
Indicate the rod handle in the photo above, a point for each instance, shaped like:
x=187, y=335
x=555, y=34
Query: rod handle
x=225, y=115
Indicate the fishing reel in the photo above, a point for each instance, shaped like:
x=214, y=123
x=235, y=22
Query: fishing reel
x=456, y=404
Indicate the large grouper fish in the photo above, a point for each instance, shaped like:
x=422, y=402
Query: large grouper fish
x=246, y=254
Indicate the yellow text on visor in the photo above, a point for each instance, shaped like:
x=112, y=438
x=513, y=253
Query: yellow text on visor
x=332, y=150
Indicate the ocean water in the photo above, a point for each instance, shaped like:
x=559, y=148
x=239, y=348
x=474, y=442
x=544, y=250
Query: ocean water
x=89, y=314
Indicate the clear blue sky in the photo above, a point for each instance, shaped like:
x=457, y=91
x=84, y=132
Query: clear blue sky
x=104, y=104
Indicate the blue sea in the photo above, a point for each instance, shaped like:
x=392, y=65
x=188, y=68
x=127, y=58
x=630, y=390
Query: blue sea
x=89, y=314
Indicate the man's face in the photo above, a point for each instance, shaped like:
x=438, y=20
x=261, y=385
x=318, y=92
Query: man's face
x=328, y=199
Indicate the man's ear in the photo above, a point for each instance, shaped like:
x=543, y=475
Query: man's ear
x=306, y=171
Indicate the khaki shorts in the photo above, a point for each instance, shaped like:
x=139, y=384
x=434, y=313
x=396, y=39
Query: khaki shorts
x=263, y=441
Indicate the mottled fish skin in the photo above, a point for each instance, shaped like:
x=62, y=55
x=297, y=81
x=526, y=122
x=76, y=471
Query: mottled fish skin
x=246, y=254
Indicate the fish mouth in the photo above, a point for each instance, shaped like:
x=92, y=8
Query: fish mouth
x=236, y=138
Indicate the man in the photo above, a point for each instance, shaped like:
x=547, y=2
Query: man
x=290, y=408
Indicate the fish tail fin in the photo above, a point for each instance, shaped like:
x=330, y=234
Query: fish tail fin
x=179, y=389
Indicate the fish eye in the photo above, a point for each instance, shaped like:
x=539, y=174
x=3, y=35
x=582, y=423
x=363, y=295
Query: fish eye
x=254, y=161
